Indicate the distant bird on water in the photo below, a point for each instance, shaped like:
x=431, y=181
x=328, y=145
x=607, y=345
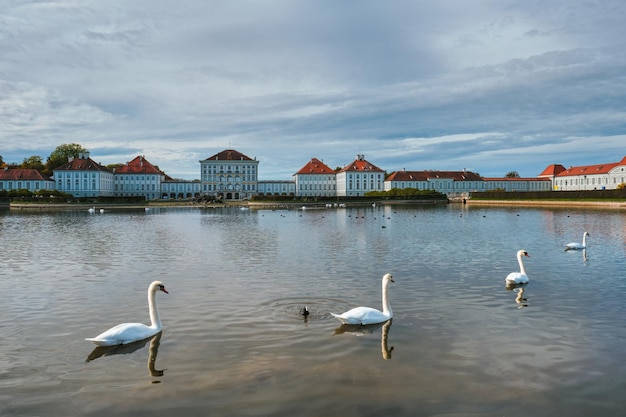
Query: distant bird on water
x=304, y=311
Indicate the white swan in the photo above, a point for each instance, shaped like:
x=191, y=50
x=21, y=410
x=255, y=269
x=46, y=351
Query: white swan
x=576, y=245
x=132, y=332
x=92, y=210
x=368, y=315
x=519, y=277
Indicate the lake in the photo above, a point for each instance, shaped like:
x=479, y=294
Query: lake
x=234, y=342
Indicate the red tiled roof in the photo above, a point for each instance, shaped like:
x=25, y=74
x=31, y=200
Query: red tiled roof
x=23, y=175
x=82, y=164
x=408, y=176
x=552, y=170
x=588, y=169
x=139, y=165
x=229, y=155
x=315, y=166
x=517, y=179
x=426, y=175
x=360, y=164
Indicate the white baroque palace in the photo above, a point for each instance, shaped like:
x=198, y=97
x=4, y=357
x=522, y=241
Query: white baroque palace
x=230, y=174
x=359, y=177
x=25, y=179
x=315, y=179
x=138, y=178
x=84, y=177
x=606, y=176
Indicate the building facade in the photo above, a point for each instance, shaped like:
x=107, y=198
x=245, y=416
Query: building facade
x=173, y=189
x=230, y=174
x=446, y=182
x=315, y=179
x=359, y=177
x=276, y=187
x=517, y=184
x=83, y=177
x=138, y=178
x=25, y=179
x=586, y=177
x=461, y=183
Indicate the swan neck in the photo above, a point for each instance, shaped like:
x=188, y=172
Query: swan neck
x=585, y=239
x=386, y=307
x=155, y=320
x=521, y=264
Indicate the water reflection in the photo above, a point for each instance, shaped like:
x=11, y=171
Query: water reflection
x=304, y=312
x=153, y=351
x=360, y=330
x=584, y=254
x=519, y=289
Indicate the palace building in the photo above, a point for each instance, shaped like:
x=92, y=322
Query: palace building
x=232, y=176
x=606, y=176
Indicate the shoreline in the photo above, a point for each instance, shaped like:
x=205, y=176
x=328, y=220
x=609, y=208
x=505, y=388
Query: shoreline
x=248, y=204
x=619, y=205
x=615, y=205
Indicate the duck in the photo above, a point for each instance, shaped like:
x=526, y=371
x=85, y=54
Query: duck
x=126, y=333
x=368, y=315
x=519, y=277
x=304, y=311
x=576, y=245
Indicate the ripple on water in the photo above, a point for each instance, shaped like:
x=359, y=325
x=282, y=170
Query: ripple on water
x=289, y=308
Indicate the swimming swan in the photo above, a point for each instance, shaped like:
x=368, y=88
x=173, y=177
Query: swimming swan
x=132, y=332
x=576, y=245
x=368, y=315
x=519, y=277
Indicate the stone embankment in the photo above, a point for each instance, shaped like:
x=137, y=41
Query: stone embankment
x=549, y=203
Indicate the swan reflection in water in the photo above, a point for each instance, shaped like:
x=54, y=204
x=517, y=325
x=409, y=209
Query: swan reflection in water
x=584, y=253
x=155, y=341
x=519, y=299
x=360, y=330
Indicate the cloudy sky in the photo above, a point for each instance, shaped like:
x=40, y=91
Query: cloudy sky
x=487, y=85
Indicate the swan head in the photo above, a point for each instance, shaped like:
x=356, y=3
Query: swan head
x=388, y=278
x=586, y=234
x=522, y=252
x=158, y=286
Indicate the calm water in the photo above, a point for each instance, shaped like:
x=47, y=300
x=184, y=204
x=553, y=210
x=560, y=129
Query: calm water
x=234, y=343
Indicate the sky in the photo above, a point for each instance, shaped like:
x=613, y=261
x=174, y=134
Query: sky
x=490, y=86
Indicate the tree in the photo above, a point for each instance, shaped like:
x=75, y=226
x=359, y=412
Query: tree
x=34, y=162
x=512, y=174
x=112, y=167
x=61, y=155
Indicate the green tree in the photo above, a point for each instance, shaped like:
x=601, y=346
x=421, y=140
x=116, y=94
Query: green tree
x=512, y=174
x=115, y=166
x=34, y=162
x=60, y=155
